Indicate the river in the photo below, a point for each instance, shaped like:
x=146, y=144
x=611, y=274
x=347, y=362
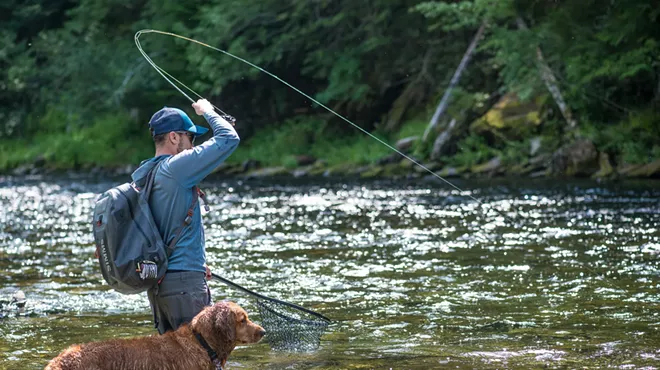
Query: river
x=413, y=274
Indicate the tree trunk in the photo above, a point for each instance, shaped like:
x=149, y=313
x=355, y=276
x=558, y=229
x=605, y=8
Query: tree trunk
x=550, y=81
x=442, y=140
x=413, y=91
x=454, y=81
x=399, y=107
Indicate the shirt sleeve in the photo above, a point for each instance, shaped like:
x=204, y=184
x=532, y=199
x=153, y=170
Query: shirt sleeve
x=191, y=166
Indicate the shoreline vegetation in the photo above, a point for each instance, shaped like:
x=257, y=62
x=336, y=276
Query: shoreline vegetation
x=297, y=150
x=465, y=87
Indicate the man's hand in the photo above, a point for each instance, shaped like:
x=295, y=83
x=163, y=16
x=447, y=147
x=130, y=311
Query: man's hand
x=202, y=106
x=208, y=273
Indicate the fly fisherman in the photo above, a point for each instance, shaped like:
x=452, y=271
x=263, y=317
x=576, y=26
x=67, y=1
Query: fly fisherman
x=183, y=292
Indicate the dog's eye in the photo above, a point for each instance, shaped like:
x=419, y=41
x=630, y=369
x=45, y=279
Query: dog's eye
x=244, y=321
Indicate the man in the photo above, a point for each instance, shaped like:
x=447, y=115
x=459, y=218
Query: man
x=183, y=292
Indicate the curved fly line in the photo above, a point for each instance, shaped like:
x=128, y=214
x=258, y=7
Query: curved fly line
x=168, y=77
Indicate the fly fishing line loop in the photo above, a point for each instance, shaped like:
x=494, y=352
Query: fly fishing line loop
x=167, y=77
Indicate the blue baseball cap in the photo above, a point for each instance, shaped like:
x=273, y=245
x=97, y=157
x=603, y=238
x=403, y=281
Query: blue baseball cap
x=173, y=119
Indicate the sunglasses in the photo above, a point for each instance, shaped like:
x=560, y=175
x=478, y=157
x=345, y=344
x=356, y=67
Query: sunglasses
x=190, y=135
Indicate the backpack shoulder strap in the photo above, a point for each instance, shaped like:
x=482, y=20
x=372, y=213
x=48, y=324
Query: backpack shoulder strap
x=186, y=221
x=151, y=176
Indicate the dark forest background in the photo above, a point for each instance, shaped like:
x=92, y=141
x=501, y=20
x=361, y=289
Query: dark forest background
x=568, y=86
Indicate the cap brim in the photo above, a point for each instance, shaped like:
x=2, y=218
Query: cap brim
x=198, y=130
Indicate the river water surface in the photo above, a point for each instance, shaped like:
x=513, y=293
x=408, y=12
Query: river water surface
x=414, y=275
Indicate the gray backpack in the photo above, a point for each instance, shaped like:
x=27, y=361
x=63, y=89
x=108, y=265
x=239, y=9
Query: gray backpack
x=130, y=249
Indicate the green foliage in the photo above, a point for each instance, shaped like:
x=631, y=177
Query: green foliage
x=413, y=127
x=103, y=143
x=279, y=145
x=633, y=141
x=450, y=16
x=472, y=150
x=275, y=144
x=515, y=152
x=70, y=72
x=355, y=149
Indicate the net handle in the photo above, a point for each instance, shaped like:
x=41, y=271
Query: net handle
x=257, y=295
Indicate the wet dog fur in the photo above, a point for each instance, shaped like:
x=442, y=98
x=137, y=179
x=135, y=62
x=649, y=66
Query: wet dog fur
x=223, y=325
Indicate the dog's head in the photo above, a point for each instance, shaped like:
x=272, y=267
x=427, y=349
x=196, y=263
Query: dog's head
x=226, y=324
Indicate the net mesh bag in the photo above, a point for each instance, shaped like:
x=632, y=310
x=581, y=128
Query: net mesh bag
x=290, y=329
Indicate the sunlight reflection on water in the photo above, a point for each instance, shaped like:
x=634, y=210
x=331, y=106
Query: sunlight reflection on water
x=410, y=272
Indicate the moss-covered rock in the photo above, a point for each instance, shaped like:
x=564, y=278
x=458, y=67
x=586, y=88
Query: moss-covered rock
x=606, y=169
x=579, y=158
x=318, y=168
x=229, y=169
x=491, y=167
x=398, y=170
x=267, y=172
x=648, y=170
x=624, y=169
x=433, y=166
x=452, y=171
x=510, y=118
x=373, y=171
x=339, y=170
x=406, y=144
x=519, y=169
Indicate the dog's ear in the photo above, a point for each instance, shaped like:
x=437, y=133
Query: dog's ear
x=224, y=322
x=217, y=325
x=203, y=321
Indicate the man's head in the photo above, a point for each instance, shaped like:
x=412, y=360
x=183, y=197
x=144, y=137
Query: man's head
x=173, y=131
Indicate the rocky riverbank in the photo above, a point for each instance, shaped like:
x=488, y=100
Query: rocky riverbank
x=578, y=159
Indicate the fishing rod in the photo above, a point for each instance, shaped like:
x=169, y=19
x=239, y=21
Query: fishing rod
x=167, y=77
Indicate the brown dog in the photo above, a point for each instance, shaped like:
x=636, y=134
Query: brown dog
x=221, y=327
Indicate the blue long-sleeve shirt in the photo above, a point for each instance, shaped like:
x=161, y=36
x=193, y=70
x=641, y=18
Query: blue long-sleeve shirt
x=172, y=194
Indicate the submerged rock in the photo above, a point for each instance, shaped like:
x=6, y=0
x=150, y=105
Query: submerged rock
x=15, y=305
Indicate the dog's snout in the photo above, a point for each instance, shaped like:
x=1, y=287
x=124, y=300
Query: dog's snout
x=261, y=333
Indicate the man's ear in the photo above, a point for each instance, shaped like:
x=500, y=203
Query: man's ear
x=173, y=137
